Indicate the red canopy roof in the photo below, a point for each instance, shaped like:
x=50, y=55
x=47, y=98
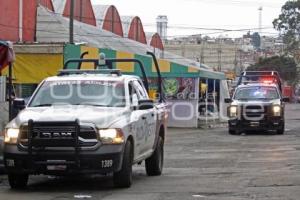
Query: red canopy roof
x=6, y=54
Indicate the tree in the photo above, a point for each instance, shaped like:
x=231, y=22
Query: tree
x=286, y=67
x=288, y=23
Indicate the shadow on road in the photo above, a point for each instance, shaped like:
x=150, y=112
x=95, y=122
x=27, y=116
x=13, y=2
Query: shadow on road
x=74, y=184
x=259, y=133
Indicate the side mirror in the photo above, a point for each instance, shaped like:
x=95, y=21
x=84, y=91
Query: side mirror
x=285, y=99
x=19, y=104
x=227, y=100
x=146, y=104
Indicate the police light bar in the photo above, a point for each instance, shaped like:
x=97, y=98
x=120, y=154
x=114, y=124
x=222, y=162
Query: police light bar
x=268, y=80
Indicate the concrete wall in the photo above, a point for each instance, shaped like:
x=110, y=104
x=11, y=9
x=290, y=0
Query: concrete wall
x=183, y=114
x=3, y=115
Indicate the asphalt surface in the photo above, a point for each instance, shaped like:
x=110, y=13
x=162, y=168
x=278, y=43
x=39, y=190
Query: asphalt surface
x=199, y=164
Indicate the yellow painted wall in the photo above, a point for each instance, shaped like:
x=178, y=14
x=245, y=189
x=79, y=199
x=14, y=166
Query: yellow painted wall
x=33, y=68
x=125, y=67
x=192, y=70
x=165, y=66
x=93, y=54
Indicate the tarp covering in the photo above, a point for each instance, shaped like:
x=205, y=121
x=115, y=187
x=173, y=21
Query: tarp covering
x=167, y=67
x=6, y=54
x=33, y=68
x=54, y=28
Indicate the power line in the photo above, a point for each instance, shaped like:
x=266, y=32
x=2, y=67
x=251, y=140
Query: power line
x=174, y=26
x=269, y=4
x=118, y=37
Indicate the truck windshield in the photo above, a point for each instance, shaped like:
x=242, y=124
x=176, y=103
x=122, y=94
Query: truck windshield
x=261, y=92
x=84, y=92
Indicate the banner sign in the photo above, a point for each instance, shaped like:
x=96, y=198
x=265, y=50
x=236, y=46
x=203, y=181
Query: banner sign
x=176, y=88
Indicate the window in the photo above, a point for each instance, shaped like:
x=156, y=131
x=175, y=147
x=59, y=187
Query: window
x=85, y=92
x=142, y=94
x=132, y=91
x=257, y=93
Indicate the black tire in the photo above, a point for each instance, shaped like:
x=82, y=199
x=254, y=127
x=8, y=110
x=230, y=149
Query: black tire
x=232, y=132
x=281, y=130
x=17, y=181
x=123, y=178
x=154, y=164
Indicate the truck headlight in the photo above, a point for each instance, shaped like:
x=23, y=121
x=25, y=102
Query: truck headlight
x=233, y=111
x=276, y=110
x=11, y=135
x=111, y=136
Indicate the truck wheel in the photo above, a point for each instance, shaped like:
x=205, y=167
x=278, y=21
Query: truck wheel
x=232, y=132
x=154, y=164
x=280, y=131
x=123, y=178
x=17, y=181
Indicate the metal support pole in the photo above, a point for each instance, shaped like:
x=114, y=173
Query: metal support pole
x=20, y=20
x=206, y=100
x=10, y=100
x=71, y=26
x=214, y=96
x=81, y=11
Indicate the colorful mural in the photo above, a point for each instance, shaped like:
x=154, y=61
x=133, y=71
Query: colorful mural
x=179, y=88
x=168, y=69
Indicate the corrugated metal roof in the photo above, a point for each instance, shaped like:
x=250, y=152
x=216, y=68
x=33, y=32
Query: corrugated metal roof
x=53, y=28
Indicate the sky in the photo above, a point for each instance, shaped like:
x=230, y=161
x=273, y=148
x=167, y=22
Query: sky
x=188, y=17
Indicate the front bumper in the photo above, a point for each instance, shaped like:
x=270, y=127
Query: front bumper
x=2, y=170
x=271, y=124
x=106, y=159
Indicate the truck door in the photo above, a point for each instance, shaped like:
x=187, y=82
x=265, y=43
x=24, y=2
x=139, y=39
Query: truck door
x=148, y=120
x=137, y=120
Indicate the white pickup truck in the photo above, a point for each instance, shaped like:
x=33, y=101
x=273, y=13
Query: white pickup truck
x=92, y=121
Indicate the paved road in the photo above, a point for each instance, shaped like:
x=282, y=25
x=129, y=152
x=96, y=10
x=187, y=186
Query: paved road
x=199, y=164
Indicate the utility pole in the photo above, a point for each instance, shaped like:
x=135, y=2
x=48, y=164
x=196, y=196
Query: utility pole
x=81, y=11
x=260, y=9
x=202, y=52
x=71, y=26
x=235, y=61
x=241, y=60
x=220, y=56
x=20, y=20
x=183, y=48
